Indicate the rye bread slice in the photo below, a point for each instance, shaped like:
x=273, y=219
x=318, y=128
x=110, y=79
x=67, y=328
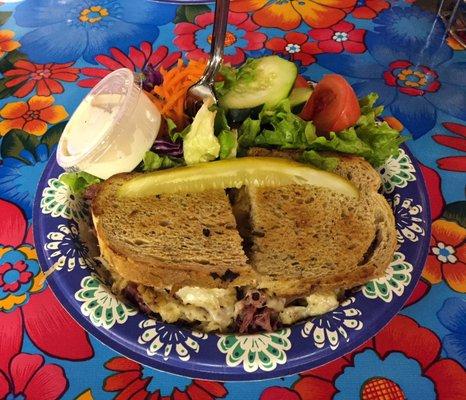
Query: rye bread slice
x=302, y=238
x=183, y=239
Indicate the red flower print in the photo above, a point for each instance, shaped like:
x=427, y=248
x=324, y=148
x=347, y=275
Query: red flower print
x=368, y=9
x=195, y=38
x=447, y=255
x=420, y=291
x=411, y=79
x=276, y=392
x=129, y=382
x=340, y=37
x=44, y=78
x=144, y=60
x=434, y=189
x=289, y=14
x=453, y=163
x=294, y=45
x=401, y=344
x=42, y=317
x=28, y=378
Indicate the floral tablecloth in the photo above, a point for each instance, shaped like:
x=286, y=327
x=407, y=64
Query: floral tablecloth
x=53, y=51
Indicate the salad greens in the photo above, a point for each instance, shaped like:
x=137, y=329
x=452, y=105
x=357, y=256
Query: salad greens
x=200, y=143
x=228, y=143
x=78, y=182
x=153, y=161
x=264, y=118
x=228, y=138
x=279, y=127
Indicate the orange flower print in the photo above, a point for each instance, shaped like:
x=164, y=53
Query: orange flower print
x=447, y=255
x=6, y=42
x=288, y=14
x=32, y=117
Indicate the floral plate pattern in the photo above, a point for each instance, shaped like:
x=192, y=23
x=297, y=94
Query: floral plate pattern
x=65, y=257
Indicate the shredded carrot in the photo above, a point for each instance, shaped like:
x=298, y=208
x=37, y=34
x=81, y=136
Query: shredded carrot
x=170, y=95
x=394, y=123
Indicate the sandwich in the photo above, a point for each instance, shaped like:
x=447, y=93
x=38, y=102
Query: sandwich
x=263, y=211
x=245, y=259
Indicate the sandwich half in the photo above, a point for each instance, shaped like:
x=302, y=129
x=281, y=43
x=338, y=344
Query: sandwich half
x=246, y=259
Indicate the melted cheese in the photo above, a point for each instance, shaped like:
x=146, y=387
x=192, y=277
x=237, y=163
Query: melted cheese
x=317, y=304
x=219, y=303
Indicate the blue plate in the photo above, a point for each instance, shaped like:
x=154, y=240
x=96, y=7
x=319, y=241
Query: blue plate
x=60, y=235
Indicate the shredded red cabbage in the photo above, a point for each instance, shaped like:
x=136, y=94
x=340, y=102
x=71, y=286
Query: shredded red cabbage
x=152, y=77
x=167, y=148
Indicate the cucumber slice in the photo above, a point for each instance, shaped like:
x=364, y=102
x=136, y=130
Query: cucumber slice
x=299, y=96
x=265, y=80
x=234, y=173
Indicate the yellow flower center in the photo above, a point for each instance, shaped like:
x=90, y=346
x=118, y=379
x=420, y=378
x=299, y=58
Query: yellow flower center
x=229, y=39
x=412, y=78
x=93, y=14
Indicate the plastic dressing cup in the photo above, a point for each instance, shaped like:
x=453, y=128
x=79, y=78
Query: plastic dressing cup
x=111, y=129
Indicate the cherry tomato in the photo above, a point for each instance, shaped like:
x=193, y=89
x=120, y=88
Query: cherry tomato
x=300, y=82
x=333, y=105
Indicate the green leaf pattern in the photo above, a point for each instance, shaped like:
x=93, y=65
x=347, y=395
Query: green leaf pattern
x=101, y=306
x=58, y=201
x=397, y=277
x=397, y=172
x=258, y=351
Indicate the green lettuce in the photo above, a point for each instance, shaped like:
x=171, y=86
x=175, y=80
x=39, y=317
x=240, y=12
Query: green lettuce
x=227, y=137
x=78, y=182
x=369, y=138
x=325, y=162
x=152, y=162
x=228, y=143
x=279, y=127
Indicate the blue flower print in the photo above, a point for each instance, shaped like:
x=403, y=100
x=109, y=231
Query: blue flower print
x=19, y=179
x=404, y=375
x=65, y=30
x=408, y=64
x=452, y=316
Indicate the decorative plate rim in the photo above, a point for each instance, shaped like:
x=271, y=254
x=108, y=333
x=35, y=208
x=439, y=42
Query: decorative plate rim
x=211, y=368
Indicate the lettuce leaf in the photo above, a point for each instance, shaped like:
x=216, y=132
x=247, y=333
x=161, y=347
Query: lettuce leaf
x=279, y=127
x=369, y=138
x=78, y=182
x=325, y=162
x=228, y=143
x=152, y=162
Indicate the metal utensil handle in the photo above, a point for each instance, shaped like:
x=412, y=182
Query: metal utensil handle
x=218, y=41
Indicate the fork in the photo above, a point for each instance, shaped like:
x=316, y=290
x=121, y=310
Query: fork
x=204, y=88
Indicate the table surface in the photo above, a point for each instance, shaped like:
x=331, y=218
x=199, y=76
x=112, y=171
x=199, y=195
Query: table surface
x=53, y=51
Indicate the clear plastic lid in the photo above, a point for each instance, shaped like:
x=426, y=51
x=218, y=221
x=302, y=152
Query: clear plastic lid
x=91, y=129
